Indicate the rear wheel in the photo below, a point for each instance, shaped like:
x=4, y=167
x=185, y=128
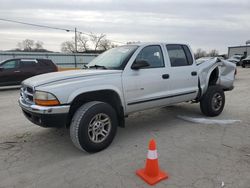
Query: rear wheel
x=213, y=101
x=93, y=126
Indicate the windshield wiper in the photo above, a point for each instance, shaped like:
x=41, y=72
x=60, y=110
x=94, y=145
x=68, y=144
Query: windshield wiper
x=98, y=66
x=85, y=66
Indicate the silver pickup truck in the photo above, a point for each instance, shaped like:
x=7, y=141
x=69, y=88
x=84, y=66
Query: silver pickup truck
x=93, y=101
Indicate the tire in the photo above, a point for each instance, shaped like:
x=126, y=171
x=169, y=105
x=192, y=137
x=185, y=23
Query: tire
x=213, y=101
x=243, y=65
x=88, y=125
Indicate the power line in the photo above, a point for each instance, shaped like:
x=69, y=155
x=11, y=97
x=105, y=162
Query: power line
x=36, y=25
x=50, y=27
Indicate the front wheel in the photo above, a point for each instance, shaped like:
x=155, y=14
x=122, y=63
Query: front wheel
x=213, y=101
x=93, y=126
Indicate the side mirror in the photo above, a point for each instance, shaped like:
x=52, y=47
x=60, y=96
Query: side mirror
x=138, y=64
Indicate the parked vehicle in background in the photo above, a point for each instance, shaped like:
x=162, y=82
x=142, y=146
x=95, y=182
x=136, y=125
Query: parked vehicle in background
x=236, y=59
x=119, y=82
x=245, y=61
x=202, y=60
x=14, y=71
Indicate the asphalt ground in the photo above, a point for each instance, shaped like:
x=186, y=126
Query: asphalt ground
x=196, y=155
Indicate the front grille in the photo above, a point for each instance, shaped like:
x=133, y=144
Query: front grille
x=30, y=98
x=27, y=94
x=30, y=89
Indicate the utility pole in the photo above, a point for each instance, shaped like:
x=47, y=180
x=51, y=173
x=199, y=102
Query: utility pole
x=75, y=40
x=247, y=42
x=75, y=47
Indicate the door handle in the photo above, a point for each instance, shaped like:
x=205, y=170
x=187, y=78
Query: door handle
x=165, y=76
x=17, y=71
x=194, y=73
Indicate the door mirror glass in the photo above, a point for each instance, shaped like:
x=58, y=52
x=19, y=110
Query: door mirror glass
x=138, y=64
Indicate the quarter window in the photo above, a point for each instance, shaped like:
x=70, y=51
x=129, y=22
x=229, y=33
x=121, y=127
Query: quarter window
x=153, y=55
x=179, y=55
x=28, y=63
x=45, y=62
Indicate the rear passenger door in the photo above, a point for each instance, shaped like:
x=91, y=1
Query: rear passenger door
x=28, y=68
x=183, y=73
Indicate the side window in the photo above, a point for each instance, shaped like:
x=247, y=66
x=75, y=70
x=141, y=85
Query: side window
x=27, y=64
x=178, y=56
x=10, y=64
x=188, y=54
x=153, y=55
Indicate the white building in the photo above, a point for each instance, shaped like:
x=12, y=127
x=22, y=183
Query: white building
x=239, y=50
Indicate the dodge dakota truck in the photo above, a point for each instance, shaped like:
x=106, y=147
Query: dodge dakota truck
x=93, y=101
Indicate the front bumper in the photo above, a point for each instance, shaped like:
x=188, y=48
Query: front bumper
x=51, y=116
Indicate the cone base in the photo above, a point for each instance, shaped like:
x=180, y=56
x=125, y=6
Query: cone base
x=151, y=180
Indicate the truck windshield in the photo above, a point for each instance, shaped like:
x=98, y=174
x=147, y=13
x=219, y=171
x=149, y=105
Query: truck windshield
x=114, y=58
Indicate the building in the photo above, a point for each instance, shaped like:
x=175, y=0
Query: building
x=60, y=59
x=239, y=50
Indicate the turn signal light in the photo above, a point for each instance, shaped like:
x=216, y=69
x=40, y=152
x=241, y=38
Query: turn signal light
x=47, y=102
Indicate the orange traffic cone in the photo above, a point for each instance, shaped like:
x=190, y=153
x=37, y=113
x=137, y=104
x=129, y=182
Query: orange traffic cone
x=152, y=173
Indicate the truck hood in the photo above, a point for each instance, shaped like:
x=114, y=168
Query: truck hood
x=65, y=75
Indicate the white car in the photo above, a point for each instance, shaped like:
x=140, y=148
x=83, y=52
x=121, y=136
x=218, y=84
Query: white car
x=236, y=59
x=92, y=102
x=245, y=61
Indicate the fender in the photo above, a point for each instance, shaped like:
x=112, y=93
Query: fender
x=205, y=71
x=96, y=88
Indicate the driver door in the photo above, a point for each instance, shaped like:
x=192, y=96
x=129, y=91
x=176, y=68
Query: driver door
x=10, y=73
x=147, y=87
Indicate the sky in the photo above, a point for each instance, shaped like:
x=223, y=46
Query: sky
x=206, y=24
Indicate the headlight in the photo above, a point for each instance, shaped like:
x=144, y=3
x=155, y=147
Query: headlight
x=45, y=99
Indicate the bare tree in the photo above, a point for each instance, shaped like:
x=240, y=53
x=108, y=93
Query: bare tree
x=96, y=39
x=68, y=47
x=200, y=53
x=30, y=45
x=39, y=45
x=98, y=42
x=26, y=45
x=213, y=53
x=82, y=43
x=105, y=44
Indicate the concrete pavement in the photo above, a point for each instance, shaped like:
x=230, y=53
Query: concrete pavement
x=196, y=155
